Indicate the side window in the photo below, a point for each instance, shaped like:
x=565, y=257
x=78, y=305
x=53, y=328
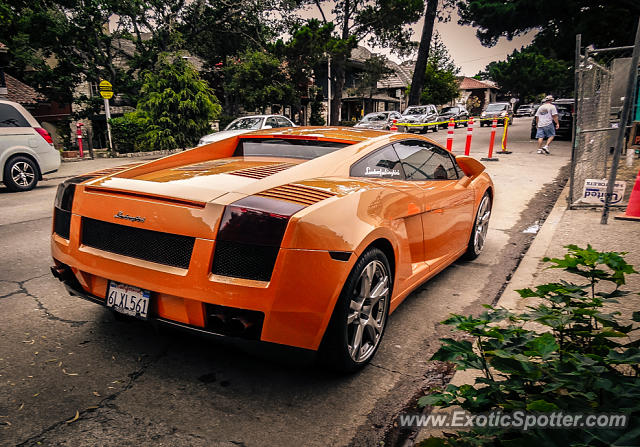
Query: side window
x=283, y=122
x=10, y=117
x=383, y=163
x=271, y=121
x=424, y=161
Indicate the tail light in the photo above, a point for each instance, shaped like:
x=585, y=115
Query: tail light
x=44, y=134
x=63, y=204
x=250, y=235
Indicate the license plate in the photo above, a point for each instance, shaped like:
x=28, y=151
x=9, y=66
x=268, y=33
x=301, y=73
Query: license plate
x=128, y=299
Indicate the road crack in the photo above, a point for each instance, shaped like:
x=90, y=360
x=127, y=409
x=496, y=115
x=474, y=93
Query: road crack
x=22, y=289
x=107, y=402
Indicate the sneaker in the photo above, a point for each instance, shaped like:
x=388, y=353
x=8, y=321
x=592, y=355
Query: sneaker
x=540, y=151
x=545, y=149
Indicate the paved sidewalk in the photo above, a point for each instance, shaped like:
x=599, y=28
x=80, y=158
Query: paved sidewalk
x=563, y=227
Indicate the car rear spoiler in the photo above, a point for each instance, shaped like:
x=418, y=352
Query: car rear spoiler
x=470, y=166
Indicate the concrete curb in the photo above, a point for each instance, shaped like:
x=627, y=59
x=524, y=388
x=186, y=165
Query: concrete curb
x=127, y=155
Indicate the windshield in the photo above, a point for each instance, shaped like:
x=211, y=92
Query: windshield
x=496, y=107
x=375, y=117
x=415, y=111
x=450, y=110
x=245, y=123
x=282, y=147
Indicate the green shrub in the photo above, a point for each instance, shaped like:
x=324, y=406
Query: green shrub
x=583, y=361
x=126, y=132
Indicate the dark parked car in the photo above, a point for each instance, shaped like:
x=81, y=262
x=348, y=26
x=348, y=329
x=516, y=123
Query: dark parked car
x=455, y=112
x=565, y=118
x=379, y=120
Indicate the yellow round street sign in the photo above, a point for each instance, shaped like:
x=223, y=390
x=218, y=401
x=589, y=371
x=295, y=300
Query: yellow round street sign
x=106, y=89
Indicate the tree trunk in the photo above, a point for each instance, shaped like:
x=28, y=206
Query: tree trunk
x=417, y=82
x=338, y=68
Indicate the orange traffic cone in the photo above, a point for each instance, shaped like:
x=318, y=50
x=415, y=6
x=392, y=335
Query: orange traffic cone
x=633, y=208
x=394, y=127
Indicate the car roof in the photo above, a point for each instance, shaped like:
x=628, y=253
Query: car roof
x=258, y=116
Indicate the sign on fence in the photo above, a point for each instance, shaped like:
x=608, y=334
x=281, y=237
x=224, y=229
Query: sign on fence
x=595, y=190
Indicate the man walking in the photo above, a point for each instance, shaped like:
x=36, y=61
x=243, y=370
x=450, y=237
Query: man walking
x=546, y=123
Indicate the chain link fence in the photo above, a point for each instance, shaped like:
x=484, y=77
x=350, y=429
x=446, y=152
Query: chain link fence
x=602, y=76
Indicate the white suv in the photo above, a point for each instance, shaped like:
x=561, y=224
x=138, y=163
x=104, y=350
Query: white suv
x=26, y=149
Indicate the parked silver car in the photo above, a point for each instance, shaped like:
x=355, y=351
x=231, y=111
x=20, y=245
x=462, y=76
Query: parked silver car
x=26, y=149
x=379, y=120
x=417, y=115
x=247, y=124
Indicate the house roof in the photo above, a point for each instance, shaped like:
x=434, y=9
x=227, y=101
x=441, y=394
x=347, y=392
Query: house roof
x=473, y=84
x=21, y=93
x=400, y=78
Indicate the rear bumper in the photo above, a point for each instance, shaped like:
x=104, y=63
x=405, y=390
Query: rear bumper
x=296, y=304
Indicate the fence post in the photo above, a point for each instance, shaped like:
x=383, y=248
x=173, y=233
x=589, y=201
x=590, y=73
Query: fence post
x=450, y=135
x=624, y=118
x=467, y=147
x=576, y=114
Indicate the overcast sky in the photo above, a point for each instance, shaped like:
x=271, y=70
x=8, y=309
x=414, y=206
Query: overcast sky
x=461, y=41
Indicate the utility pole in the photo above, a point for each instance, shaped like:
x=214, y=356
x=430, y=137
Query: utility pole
x=328, y=90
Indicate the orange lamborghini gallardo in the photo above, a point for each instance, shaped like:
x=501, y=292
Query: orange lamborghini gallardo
x=308, y=237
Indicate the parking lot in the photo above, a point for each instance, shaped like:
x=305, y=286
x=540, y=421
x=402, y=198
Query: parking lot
x=71, y=374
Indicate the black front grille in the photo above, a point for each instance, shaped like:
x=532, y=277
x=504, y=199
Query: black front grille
x=247, y=261
x=154, y=246
x=61, y=222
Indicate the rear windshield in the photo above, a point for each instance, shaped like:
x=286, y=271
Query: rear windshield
x=284, y=147
x=496, y=107
x=10, y=117
x=245, y=123
x=375, y=117
x=415, y=111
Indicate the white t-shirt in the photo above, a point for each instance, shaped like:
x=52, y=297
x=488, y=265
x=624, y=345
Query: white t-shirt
x=545, y=114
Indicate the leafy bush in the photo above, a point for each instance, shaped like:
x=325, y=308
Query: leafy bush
x=583, y=361
x=127, y=130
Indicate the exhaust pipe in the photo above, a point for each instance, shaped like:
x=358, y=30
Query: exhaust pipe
x=217, y=323
x=238, y=326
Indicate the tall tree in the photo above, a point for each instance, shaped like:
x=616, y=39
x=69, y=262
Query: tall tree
x=440, y=81
x=255, y=80
x=379, y=22
x=601, y=23
x=526, y=74
x=417, y=81
x=176, y=103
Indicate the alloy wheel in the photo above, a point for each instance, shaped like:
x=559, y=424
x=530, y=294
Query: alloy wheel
x=367, y=312
x=482, y=224
x=23, y=174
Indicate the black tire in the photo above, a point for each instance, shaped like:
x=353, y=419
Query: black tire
x=481, y=123
x=474, y=249
x=20, y=174
x=435, y=128
x=335, y=350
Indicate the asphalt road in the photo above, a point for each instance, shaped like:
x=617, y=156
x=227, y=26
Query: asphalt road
x=71, y=375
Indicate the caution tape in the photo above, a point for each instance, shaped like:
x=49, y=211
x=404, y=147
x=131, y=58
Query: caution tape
x=447, y=122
